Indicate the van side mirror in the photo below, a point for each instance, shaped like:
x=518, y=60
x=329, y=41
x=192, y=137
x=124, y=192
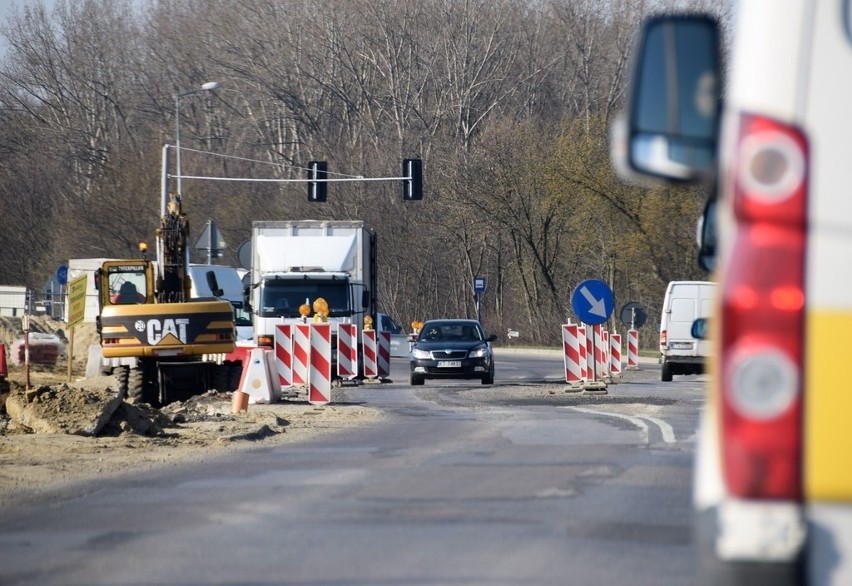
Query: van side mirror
x=670, y=125
x=213, y=284
x=247, y=298
x=706, y=236
x=699, y=329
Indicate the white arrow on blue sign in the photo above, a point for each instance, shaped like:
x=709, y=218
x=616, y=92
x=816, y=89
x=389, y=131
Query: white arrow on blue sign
x=592, y=301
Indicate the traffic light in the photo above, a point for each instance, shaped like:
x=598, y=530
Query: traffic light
x=317, y=189
x=412, y=188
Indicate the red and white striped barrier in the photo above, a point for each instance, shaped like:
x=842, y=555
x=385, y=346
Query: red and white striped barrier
x=571, y=350
x=632, y=349
x=597, y=354
x=368, y=341
x=383, y=355
x=284, y=355
x=584, y=352
x=347, y=351
x=601, y=343
x=301, y=353
x=615, y=354
x=319, y=382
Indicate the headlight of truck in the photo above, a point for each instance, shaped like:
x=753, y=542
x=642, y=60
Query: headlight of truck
x=421, y=354
x=478, y=352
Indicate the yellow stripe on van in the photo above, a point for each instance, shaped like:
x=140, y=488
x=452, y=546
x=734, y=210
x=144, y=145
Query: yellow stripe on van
x=828, y=407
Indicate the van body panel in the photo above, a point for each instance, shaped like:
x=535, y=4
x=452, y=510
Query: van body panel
x=767, y=63
x=827, y=430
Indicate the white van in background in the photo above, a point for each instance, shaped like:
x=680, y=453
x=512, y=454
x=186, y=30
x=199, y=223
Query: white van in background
x=685, y=301
x=228, y=279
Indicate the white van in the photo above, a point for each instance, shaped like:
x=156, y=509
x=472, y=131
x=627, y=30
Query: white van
x=685, y=301
x=228, y=279
x=773, y=480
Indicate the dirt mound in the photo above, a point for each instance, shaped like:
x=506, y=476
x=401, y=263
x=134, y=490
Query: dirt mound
x=60, y=432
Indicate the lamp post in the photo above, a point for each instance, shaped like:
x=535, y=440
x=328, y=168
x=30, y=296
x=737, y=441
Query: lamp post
x=209, y=86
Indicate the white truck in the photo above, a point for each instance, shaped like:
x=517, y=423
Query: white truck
x=296, y=262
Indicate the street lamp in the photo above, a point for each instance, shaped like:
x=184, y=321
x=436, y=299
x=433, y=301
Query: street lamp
x=209, y=86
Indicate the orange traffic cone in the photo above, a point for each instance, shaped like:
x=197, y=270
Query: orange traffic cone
x=3, y=370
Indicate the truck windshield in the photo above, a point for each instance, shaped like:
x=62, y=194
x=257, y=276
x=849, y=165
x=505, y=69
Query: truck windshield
x=282, y=297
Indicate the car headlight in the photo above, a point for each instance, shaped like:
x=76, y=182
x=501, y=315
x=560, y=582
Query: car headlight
x=478, y=352
x=420, y=354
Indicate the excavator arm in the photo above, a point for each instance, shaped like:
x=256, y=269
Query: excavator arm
x=173, y=281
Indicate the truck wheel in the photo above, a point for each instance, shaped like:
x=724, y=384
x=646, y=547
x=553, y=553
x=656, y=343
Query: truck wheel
x=417, y=380
x=666, y=373
x=121, y=373
x=136, y=386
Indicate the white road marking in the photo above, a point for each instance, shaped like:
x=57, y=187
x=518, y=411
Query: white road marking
x=665, y=428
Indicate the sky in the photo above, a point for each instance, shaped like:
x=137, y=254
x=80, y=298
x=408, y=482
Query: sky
x=7, y=8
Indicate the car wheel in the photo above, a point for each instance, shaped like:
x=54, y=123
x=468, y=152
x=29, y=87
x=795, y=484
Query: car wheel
x=666, y=373
x=417, y=380
x=488, y=379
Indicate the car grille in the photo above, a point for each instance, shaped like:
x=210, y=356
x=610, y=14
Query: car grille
x=449, y=354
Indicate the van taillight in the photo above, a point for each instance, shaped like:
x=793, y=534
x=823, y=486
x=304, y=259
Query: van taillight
x=763, y=305
x=663, y=337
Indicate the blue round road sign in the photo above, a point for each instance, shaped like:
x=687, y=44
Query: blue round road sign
x=62, y=275
x=592, y=301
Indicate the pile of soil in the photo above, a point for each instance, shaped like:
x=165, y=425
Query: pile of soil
x=53, y=431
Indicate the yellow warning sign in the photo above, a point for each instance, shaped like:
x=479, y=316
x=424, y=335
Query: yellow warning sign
x=76, y=300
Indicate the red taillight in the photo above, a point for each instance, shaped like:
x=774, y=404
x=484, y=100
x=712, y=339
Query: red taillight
x=265, y=341
x=663, y=337
x=763, y=314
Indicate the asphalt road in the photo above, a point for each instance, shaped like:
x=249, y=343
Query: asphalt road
x=460, y=484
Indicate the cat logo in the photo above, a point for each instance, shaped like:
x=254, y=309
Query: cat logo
x=158, y=332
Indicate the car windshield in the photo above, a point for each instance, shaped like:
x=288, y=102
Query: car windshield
x=450, y=331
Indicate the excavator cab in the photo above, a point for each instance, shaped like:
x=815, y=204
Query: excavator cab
x=126, y=282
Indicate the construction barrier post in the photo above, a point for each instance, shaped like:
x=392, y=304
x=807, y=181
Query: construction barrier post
x=284, y=355
x=301, y=353
x=319, y=379
x=383, y=355
x=584, y=352
x=368, y=341
x=600, y=353
x=571, y=351
x=632, y=349
x=347, y=351
x=615, y=354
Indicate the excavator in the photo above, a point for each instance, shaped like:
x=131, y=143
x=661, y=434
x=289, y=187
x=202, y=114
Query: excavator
x=160, y=343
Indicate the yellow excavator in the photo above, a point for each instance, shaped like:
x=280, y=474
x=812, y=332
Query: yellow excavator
x=161, y=343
